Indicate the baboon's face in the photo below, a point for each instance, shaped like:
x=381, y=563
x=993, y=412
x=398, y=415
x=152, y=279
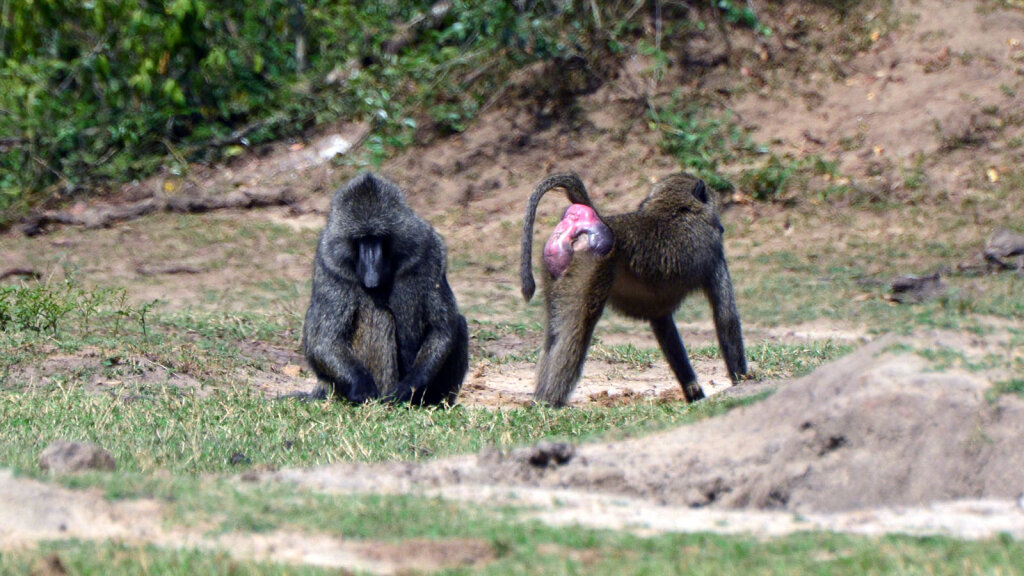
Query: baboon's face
x=373, y=261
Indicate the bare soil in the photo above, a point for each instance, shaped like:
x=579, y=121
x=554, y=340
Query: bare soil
x=880, y=441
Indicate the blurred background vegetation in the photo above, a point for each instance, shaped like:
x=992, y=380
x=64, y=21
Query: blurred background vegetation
x=99, y=92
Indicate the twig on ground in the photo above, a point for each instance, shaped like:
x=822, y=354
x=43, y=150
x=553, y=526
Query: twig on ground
x=103, y=216
x=20, y=272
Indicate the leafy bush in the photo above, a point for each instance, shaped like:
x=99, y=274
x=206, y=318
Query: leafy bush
x=66, y=309
x=109, y=90
x=102, y=90
x=768, y=181
x=699, y=143
x=106, y=91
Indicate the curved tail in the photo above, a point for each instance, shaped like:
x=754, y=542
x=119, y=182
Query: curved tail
x=575, y=191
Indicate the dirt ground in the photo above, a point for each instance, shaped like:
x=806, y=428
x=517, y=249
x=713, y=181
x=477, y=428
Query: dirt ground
x=877, y=442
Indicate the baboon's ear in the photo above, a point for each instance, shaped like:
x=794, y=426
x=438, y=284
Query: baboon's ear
x=700, y=191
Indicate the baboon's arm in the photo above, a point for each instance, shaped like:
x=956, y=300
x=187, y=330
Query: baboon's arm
x=331, y=355
x=438, y=341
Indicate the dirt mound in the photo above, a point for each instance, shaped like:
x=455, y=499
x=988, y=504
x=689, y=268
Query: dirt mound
x=874, y=429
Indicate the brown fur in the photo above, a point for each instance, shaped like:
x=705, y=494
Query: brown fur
x=668, y=248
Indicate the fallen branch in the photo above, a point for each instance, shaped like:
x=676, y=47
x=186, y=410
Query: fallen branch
x=104, y=216
x=20, y=272
x=911, y=289
x=156, y=270
x=6, y=143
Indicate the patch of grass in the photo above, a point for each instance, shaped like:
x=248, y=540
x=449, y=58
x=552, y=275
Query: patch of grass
x=768, y=181
x=915, y=177
x=388, y=517
x=521, y=547
x=184, y=433
x=484, y=332
x=1011, y=386
x=943, y=358
x=76, y=557
x=850, y=282
x=54, y=308
x=625, y=354
x=136, y=344
x=699, y=142
x=793, y=360
x=899, y=348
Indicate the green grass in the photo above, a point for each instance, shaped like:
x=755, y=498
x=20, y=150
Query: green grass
x=699, y=142
x=776, y=361
x=75, y=557
x=183, y=433
x=150, y=424
x=848, y=288
x=532, y=548
x=1011, y=386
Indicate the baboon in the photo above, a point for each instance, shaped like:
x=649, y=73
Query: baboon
x=382, y=320
x=644, y=263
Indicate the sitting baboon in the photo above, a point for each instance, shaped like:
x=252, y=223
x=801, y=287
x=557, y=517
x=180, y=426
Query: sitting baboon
x=644, y=263
x=382, y=319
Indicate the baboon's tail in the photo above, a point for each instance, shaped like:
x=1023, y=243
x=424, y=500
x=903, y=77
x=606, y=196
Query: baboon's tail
x=575, y=191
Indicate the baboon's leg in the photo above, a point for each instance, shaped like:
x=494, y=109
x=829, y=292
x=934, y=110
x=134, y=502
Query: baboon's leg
x=727, y=322
x=444, y=389
x=575, y=302
x=672, y=346
x=561, y=361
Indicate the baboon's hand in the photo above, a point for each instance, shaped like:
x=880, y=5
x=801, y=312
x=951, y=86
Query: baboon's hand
x=401, y=394
x=362, y=389
x=568, y=238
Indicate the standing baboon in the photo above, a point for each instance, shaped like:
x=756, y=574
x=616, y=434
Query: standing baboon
x=382, y=320
x=644, y=263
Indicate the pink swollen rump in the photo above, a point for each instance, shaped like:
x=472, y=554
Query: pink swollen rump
x=578, y=219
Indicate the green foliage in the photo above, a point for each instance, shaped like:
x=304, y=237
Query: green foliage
x=51, y=308
x=744, y=16
x=98, y=91
x=101, y=92
x=104, y=91
x=1012, y=386
x=768, y=181
x=699, y=143
x=773, y=178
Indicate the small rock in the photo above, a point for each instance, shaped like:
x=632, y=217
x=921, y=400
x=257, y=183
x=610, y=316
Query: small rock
x=48, y=566
x=913, y=289
x=62, y=457
x=545, y=453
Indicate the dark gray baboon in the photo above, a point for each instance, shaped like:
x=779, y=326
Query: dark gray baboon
x=644, y=263
x=382, y=320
